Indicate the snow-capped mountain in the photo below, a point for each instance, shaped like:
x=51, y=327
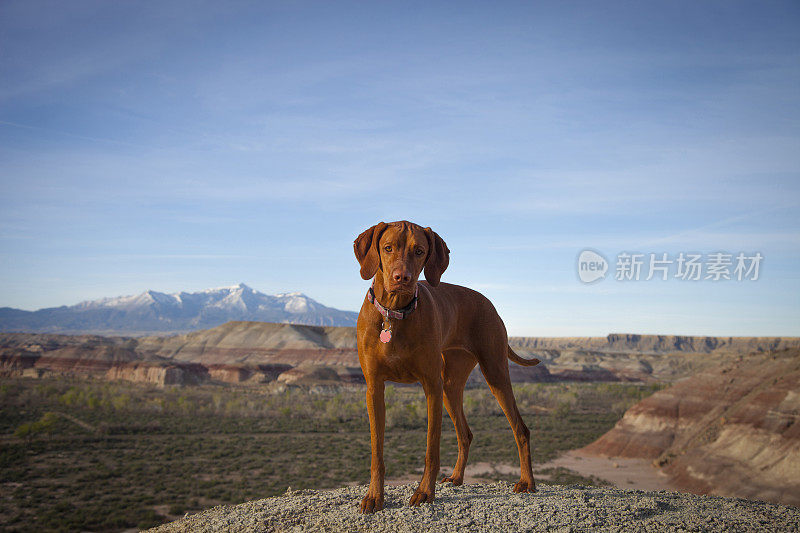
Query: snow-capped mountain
x=157, y=312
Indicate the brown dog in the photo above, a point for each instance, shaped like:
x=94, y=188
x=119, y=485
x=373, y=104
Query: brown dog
x=433, y=333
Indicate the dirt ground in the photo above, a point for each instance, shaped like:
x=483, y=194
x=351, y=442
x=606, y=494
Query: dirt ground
x=620, y=472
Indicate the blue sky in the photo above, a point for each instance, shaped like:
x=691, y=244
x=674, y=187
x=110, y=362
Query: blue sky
x=185, y=145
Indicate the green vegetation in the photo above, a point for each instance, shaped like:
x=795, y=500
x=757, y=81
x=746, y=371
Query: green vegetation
x=78, y=455
x=46, y=424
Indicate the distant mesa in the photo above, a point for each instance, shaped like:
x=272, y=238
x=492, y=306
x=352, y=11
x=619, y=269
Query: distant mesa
x=260, y=352
x=153, y=312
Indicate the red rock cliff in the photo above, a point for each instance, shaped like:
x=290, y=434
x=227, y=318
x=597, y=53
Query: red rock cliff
x=731, y=430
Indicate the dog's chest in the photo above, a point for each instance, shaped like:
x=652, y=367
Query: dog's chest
x=392, y=342
x=397, y=358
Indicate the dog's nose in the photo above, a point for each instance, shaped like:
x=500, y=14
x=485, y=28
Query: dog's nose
x=401, y=277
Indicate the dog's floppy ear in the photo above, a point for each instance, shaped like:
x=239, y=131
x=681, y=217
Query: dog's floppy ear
x=438, y=257
x=366, y=249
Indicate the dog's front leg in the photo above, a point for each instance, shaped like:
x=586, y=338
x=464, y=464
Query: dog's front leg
x=427, y=486
x=376, y=408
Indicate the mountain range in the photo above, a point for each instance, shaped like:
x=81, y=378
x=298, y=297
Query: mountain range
x=153, y=312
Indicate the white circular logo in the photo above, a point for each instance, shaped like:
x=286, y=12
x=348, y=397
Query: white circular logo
x=591, y=266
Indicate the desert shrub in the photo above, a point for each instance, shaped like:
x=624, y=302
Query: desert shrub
x=407, y=409
x=148, y=519
x=619, y=407
x=121, y=402
x=218, y=401
x=341, y=409
x=563, y=409
x=480, y=402
x=185, y=404
x=46, y=424
x=564, y=476
x=390, y=394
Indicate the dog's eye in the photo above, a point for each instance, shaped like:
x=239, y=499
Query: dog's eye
x=388, y=248
x=419, y=251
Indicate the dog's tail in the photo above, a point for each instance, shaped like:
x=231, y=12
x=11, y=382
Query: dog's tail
x=519, y=360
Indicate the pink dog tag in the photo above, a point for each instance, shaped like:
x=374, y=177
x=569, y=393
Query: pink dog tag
x=386, y=335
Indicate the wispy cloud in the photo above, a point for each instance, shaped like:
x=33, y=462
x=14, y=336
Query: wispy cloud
x=69, y=134
x=705, y=236
x=149, y=256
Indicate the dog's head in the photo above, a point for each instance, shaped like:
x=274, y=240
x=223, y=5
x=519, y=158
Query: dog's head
x=399, y=251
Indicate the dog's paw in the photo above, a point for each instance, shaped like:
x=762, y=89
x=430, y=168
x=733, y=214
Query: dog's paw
x=371, y=503
x=455, y=480
x=525, y=486
x=421, y=496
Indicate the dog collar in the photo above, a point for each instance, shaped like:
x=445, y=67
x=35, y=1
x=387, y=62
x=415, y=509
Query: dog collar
x=393, y=313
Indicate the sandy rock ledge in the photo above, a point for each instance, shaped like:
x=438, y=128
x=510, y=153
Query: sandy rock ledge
x=494, y=507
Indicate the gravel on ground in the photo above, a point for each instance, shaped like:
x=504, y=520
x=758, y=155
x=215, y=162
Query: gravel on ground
x=494, y=507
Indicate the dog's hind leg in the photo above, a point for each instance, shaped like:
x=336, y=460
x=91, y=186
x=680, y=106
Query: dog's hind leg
x=458, y=365
x=495, y=370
